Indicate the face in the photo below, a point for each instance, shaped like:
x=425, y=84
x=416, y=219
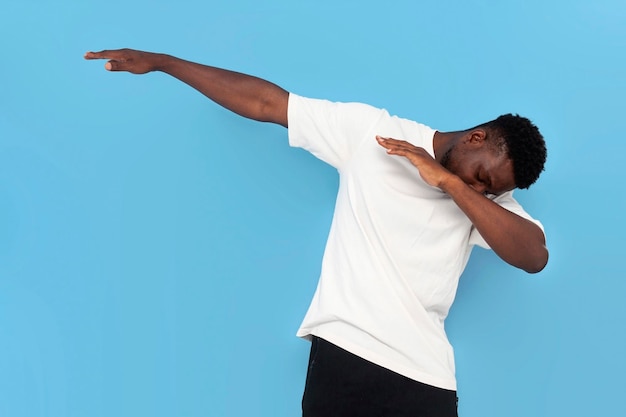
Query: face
x=485, y=168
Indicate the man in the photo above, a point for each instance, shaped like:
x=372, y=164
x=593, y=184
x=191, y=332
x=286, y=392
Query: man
x=406, y=217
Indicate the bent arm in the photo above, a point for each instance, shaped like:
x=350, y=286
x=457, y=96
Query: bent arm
x=243, y=94
x=516, y=240
x=513, y=238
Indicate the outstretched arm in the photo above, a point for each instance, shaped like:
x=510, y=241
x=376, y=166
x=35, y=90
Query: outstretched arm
x=516, y=240
x=243, y=94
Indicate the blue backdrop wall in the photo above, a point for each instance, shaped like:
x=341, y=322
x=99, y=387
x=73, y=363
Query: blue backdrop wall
x=157, y=253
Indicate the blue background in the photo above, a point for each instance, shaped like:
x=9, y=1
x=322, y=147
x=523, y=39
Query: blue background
x=157, y=253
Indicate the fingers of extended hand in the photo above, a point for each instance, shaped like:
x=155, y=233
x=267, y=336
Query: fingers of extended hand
x=389, y=142
x=92, y=55
x=386, y=142
x=399, y=147
x=114, y=57
x=430, y=170
x=105, y=54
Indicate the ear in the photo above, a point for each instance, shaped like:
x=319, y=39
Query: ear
x=476, y=137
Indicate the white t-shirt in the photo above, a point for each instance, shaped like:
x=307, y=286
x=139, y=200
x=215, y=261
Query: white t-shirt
x=396, y=247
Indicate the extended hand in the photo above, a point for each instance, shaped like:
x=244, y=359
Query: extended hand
x=430, y=170
x=136, y=62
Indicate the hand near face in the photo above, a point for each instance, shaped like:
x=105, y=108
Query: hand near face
x=431, y=171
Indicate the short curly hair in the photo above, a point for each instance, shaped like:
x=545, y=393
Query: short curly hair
x=524, y=144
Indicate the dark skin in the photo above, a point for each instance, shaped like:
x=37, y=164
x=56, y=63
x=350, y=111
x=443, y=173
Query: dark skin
x=473, y=166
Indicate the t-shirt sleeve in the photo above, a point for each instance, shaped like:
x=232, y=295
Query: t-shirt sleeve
x=507, y=201
x=331, y=131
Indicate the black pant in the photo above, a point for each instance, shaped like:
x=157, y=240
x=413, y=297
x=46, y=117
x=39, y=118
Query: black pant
x=340, y=384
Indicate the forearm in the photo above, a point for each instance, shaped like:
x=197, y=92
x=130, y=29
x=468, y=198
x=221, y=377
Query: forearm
x=243, y=94
x=516, y=240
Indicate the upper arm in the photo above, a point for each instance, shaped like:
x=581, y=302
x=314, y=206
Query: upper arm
x=329, y=130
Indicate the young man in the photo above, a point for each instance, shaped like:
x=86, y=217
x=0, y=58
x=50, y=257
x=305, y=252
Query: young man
x=406, y=217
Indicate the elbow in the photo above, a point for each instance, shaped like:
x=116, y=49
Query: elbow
x=538, y=262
